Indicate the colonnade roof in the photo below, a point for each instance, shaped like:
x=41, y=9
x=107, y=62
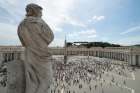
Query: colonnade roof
x=126, y=49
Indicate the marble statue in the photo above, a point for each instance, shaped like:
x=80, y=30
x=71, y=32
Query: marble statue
x=35, y=35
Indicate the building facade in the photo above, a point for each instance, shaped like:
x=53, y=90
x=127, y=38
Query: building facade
x=131, y=55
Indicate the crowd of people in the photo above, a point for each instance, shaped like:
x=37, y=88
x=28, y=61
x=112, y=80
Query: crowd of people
x=3, y=74
x=80, y=72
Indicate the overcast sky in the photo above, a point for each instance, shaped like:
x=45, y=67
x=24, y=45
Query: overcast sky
x=114, y=21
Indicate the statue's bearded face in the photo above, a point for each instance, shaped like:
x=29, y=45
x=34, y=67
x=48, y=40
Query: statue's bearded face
x=34, y=10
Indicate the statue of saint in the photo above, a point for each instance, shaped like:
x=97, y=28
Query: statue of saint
x=35, y=35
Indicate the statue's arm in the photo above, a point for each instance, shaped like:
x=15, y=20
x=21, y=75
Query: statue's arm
x=47, y=34
x=24, y=35
x=50, y=32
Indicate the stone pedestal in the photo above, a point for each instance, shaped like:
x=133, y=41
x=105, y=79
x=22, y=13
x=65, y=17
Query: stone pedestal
x=16, y=77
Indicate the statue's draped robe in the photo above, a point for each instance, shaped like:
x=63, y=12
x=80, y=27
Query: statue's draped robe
x=35, y=35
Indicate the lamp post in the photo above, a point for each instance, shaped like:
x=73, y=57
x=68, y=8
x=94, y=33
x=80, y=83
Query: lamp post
x=65, y=51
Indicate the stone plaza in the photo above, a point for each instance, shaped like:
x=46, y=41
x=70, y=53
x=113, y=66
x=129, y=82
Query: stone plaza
x=106, y=81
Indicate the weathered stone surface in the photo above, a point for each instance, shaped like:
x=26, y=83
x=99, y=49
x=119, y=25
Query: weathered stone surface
x=16, y=77
x=34, y=74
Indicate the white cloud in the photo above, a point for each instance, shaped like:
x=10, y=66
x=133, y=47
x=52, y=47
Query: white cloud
x=92, y=36
x=129, y=41
x=11, y=2
x=8, y=37
x=136, y=28
x=8, y=34
x=91, y=33
x=57, y=13
x=96, y=18
x=7, y=29
x=58, y=29
x=72, y=21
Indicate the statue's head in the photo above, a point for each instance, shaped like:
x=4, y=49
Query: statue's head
x=34, y=10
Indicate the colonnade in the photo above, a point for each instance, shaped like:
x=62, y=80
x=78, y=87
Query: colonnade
x=10, y=53
x=9, y=56
x=102, y=54
x=127, y=54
